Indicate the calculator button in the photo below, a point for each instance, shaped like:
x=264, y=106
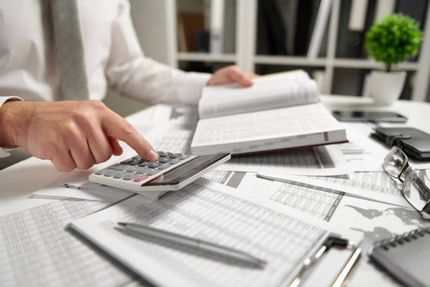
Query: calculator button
x=134, y=162
x=128, y=176
x=140, y=177
x=108, y=172
x=120, y=167
x=143, y=164
x=164, y=159
x=154, y=164
x=118, y=175
x=164, y=166
x=141, y=170
x=131, y=169
x=152, y=171
x=161, y=153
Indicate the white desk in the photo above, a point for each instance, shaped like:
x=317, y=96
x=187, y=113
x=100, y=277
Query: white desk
x=19, y=181
x=418, y=113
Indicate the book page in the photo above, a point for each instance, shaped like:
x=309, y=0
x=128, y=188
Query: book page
x=267, y=130
x=268, y=92
x=210, y=212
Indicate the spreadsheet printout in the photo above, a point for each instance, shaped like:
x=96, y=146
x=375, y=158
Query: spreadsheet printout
x=35, y=250
x=205, y=211
x=318, y=161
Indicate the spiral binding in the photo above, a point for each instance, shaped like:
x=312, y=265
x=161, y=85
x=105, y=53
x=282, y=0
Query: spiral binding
x=402, y=238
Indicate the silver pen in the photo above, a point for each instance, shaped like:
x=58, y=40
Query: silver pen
x=195, y=244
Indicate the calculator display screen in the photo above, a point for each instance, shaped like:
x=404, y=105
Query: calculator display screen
x=186, y=170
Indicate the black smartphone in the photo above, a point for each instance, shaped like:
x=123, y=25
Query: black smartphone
x=369, y=116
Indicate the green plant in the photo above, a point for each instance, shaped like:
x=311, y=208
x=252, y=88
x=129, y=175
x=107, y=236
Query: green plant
x=393, y=39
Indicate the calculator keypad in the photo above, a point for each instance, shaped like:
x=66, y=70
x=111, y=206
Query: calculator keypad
x=137, y=169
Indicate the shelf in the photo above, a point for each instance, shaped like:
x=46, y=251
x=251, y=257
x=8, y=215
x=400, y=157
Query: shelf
x=206, y=57
x=295, y=61
x=246, y=58
x=290, y=60
x=369, y=64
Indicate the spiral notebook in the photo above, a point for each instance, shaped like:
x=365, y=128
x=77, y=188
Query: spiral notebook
x=405, y=257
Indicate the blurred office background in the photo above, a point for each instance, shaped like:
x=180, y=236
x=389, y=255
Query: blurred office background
x=323, y=37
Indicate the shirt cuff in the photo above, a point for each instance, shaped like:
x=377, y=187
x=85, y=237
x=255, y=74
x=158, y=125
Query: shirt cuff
x=5, y=99
x=192, y=86
x=4, y=153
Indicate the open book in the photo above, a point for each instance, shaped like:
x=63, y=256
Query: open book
x=279, y=111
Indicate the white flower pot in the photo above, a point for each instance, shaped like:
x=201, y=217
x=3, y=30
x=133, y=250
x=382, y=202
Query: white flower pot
x=385, y=88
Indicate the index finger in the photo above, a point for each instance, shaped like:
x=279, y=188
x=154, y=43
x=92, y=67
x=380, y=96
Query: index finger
x=117, y=127
x=240, y=77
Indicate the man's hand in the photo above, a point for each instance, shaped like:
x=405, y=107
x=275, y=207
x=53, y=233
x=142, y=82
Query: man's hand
x=230, y=75
x=72, y=134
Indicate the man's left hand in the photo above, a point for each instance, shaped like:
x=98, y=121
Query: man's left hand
x=231, y=75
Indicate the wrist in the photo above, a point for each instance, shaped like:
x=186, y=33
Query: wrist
x=12, y=120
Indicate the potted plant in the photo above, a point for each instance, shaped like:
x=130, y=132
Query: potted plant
x=394, y=39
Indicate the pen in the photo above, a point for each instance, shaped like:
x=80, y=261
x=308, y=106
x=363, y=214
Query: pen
x=195, y=244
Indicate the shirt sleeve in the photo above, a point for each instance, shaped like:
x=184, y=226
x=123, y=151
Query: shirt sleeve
x=135, y=75
x=3, y=153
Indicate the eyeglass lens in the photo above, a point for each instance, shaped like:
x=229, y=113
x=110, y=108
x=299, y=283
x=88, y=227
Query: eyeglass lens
x=394, y=162
x=416, y=191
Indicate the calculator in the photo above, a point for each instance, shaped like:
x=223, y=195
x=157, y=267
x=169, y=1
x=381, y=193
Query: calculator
x=172, y=171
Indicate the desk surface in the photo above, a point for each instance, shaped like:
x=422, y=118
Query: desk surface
x=19, y=181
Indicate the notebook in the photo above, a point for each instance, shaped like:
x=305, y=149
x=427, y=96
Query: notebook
x=279, y=111
x=405, y=257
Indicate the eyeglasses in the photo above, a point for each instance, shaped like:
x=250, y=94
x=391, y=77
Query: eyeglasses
x=415, y=185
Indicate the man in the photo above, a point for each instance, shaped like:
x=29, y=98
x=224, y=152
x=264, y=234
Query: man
x=72, y=50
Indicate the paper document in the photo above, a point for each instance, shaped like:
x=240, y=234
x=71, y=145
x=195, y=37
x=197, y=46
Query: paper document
x=323, y=160
x=75, y=185
x=35, y=250
x=267, y=130
x=84, y=190
x=267, y=92
x=319, y=161
x=362, y=152
x=320, y=183
x=378, y=182
x=230, y=178
x=316, y=202
x=173, y=137
x=212, y=212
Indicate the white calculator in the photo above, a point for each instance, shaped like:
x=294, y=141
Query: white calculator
x=172, y=171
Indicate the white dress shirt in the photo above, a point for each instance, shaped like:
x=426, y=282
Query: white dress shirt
x=29, y=68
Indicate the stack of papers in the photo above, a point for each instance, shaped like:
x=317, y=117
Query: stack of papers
x=277, y=206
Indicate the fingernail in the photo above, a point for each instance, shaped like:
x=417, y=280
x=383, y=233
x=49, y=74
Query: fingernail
x=154, y=154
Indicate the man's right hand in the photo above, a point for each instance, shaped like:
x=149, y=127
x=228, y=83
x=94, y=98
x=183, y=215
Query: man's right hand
x=72, y=134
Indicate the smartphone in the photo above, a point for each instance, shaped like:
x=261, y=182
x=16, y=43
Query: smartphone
x=369, y=116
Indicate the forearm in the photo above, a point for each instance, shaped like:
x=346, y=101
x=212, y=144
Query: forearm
x=135, y=75
x=153, y=82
